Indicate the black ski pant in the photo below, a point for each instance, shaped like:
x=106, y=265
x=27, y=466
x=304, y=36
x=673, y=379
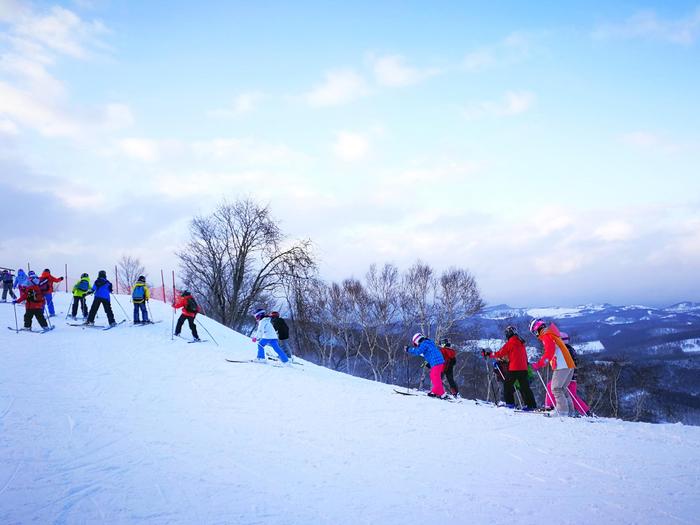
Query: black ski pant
x=35, y=312
x=96, y=302
x=524, y=386
x=83, y=305
x=190, y=320
x=448, y=372
x=7, y=288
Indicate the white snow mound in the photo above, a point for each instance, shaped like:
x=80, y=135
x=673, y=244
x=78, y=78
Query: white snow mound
x=127, y=426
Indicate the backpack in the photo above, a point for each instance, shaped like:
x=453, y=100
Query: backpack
x=44, y=285
x=82, y=286
x=191, y=305
x=32, y=296
x=281, y=328
x=138, y=294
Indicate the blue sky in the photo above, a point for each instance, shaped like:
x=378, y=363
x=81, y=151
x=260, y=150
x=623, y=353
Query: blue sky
x=554, y=150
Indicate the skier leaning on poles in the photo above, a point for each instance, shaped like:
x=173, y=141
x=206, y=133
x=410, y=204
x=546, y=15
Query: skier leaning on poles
x=425, y=347
x=450, y=356
x=34, y=303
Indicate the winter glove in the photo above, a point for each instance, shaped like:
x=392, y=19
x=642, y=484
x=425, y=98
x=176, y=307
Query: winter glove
x=254, y=339
x=535, y=366
x=486, y=353
x=405, y=348
x=14, y=302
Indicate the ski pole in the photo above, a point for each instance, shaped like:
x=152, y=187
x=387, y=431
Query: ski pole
x=547, y=393
x=48, y=318
x=208, y=332
x=150, y=315
x=407, y=374
x=16, y=324
x=488, y=382
x=172, y=325
x=120, y=306
x=576, y=401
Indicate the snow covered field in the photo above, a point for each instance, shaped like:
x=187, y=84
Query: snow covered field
x=127, y=426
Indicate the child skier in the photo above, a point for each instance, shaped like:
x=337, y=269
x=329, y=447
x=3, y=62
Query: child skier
x=450, y=357
x=21, y=280
x=559, y=358
x=34, y=303
x=282, y=330
x=425, y=347
x=81, y=289
x=579, y=404
x=190, y=309
x=139, y=296
x=265, y=335
x=7, y=278
x=46, y=285
x=516, y=354
x=102, y=289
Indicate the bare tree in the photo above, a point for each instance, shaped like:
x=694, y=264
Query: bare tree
x=128, y=270
x=238, y=258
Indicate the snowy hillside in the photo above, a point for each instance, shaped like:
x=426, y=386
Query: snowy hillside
x=126, y=426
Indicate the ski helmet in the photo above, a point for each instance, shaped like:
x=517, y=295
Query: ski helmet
x=445, y=342
x=274, y=314
x=102, y=274
x=46, y=270
x=510, y=331
x=536, y=325
x=185, y=293
x=417, y=338
x=141, y=279
x=83, y=276
x=259, y=314
x=32, y=273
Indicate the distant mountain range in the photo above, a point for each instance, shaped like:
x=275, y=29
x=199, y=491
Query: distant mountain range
x=634, y=330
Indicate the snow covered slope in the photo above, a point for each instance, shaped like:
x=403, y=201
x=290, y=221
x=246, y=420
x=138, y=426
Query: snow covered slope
x=127, y=426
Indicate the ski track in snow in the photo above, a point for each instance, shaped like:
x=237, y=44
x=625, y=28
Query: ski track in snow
x=126, y=426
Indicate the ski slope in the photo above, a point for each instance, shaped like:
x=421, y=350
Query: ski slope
x=127, y=426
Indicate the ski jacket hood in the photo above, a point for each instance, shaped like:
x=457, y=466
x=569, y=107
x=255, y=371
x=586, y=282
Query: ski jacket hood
x=21, y=279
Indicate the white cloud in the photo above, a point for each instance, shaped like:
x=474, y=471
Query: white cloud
x=242, y=104
x=339, y=87
x=614, y=231
x=650, y=142
x=515, y=48
x=513, y=103
x=392, y=71
x=7, y=127
x=247, y=151
x=647, y=24
x=145, y=150
x=351, y=146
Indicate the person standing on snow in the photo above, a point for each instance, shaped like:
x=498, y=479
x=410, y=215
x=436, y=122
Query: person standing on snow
x=102, y=289
x=46, y=285
x=556, y=355
x=282, y=330
x=81, y=289
x=579, y=404
x=425, y=347
x=21, y=280
x=6, y=277
x=34, y=303
x=516, y=354
x=140, y=294
x=190, y=309
x=450, y=356
x=265, y=335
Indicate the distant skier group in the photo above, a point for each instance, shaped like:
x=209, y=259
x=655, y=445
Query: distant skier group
x=515, y=371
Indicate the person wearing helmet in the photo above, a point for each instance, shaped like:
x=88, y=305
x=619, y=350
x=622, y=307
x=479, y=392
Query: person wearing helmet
x=46, y=282
x=515, y=353
x=579, y=404
x=140, y=294
x=81, y=289
x=34, y=305
x=190, y=309
x=7, y=279
x=556, y=355
x=266, y=335
x=102, y=289
x=425, y=347
x=450, y=356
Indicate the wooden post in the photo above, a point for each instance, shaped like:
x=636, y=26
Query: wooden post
x=173, y=285
x=162, y=280
x=116, y=278
x=66, y=277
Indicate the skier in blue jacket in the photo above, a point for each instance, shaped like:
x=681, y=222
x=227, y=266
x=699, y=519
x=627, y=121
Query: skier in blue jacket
x=431, y=353
x=102, y=289
x=21, y=280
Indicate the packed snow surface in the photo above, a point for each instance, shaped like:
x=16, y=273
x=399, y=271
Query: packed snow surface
x=127, y=426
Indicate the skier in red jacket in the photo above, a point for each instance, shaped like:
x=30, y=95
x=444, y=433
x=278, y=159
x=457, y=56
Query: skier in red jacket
x=34, y=303
x=516, y=354
x=450, y=356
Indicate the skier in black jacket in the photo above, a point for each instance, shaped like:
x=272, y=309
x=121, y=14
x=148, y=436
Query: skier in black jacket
x=282, y=330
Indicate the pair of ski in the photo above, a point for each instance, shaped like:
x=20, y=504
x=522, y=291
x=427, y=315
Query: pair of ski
x=447, y=398
x=145, y=324
x=275, y=362
x=43, y=331
x=193, y=340
x=84, y=325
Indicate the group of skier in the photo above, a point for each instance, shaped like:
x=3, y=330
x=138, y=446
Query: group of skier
x=558, y=354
